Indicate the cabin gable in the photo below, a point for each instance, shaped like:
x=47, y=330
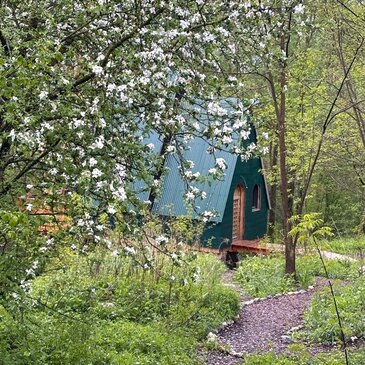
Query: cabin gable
x=247, y=175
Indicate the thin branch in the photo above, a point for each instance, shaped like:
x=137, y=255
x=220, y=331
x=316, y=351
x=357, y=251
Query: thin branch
x=350, y=10
x=29, y=166
x=325, y=125
x=5, y=44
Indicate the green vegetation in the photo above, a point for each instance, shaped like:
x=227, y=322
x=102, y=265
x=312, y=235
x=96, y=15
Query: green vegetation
x=299, y=355
x=107, y=310
x=321, y=321
x=347, y=246
x=263, y=276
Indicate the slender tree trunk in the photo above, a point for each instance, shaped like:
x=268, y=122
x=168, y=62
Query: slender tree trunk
x=280, y=110
x=284, y=189
x=273, y=191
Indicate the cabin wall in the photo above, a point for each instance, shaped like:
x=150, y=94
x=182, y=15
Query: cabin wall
x=246, y=173
x=255, y=220
x=212, y=236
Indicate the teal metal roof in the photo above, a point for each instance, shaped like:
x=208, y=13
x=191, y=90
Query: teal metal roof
x=139, y=186
x=172, y=202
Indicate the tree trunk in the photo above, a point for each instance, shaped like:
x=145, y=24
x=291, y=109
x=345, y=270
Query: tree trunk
x=284, y=191
x=273, y=191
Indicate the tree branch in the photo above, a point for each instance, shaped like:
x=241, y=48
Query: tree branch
x=5, y=44
x=325, y=125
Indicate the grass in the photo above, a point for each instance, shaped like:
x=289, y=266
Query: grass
x=264, y=276
x=299, y=355
x=100, y=310
x=345, y=245
x=321, y=324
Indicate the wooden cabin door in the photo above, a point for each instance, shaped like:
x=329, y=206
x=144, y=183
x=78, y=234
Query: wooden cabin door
x=238, y=219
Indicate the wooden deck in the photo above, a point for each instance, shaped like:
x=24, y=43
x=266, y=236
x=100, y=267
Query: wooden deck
x=254, y=246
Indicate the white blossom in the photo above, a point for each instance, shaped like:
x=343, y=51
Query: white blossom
x=221, y=163
x=96, y=173
x=299, y=9
x=111, y=210
x=98, y=70
x=162, y=239
x=43, y=94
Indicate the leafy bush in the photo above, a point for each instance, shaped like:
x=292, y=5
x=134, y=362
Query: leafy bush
x=64, y=341
x=263, y=276
x=99, y=309
x=321, y=321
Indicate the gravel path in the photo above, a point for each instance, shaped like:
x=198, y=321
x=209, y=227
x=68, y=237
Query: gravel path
x=260, y=327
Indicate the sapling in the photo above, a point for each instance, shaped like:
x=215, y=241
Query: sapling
x=309, y=228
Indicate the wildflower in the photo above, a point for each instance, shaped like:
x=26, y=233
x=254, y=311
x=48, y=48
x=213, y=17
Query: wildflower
x=43, y=94
x=92, y=162
x=299, y=9
x=162, y=239
x=98, y=70
x=130, y=250
x=111, y=210
x=96, y=173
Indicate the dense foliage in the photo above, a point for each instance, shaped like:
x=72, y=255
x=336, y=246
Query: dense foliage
x=264, y=276
x=103, y=309
x=321, y=320
x=84, y=265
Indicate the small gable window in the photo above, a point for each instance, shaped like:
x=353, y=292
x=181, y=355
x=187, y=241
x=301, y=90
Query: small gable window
x=256, y=198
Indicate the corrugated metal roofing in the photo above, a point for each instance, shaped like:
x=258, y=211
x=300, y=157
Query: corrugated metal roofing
x=139, y=186
x=172, y=202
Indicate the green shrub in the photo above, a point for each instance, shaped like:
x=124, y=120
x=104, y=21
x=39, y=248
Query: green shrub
x=321, y=320
x=108, y=310
x=64, y=341
x=263, y=276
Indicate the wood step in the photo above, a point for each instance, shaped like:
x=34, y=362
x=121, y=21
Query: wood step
x=251, y=246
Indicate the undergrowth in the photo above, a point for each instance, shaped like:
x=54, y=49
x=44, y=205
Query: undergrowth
x=100, y=309
x=299, y=355
x=264, y=276
x=321, y=322
x=345, y=245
